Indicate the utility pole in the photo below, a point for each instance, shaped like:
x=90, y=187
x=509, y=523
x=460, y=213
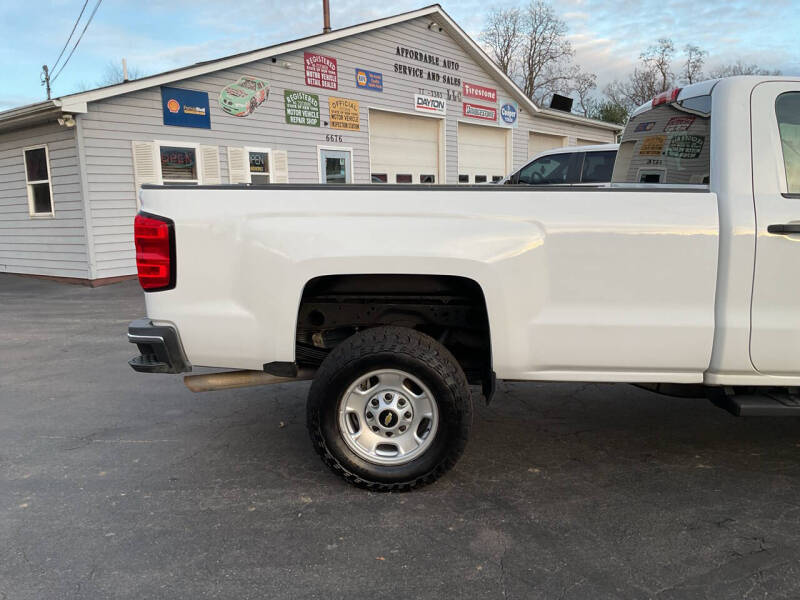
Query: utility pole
x=46, y=79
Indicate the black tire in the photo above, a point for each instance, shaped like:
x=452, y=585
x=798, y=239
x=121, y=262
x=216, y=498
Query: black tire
x=390, y=348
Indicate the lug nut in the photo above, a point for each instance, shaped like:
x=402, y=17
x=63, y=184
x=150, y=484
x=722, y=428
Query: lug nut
x=375, y=429
x=402, y=427
x=401, y=402
x=388, y=434
x=407, y=415
x=374, y=402
x=369, y=415
x=388, y=397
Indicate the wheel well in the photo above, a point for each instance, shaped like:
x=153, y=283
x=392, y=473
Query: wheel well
x=450, y=309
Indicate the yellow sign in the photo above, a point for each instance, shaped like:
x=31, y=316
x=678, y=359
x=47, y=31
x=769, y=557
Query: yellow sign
x=652, y=145
x=344, y=113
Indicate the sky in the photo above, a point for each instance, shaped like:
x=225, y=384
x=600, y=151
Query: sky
x=158, y=35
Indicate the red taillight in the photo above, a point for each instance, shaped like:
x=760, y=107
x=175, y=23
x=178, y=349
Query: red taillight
x=668, y=96
x=154, y=248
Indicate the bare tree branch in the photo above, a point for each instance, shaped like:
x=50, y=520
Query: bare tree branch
x=502, y=37
x=739, y=68
x=693, y=63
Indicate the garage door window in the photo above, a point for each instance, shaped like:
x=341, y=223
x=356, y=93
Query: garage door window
x=787, y=108
x=427, y=178
x=37, y=178
x=404, y=178
x=178, y=166
x=480, y=178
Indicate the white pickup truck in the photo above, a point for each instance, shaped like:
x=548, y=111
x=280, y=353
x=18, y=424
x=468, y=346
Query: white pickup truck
x=683, y=276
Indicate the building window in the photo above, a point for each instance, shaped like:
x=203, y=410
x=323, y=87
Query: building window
x=380, y=178
x=480, y=178
x=259, y=167
x=463, y=178
x=37, y=179
x=403, y=178
x=427, y=178
x=179, y=165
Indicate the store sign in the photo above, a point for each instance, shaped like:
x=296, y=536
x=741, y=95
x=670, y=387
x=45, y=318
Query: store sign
x=679, y=124
x=470, y=90
x=185, y=108
x=476, y=111
x=301, y=108
x=652, y=145
x=509, y=112
x=259, y=162
x=369, y=80
x=321, y=71
x=685, y=146
x=344, y=113
x=429, y=104
x=646, y=126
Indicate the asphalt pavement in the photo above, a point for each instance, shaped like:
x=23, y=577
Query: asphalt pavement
x=115, y=484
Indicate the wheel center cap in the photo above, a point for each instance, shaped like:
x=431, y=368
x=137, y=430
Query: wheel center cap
x=388, y=418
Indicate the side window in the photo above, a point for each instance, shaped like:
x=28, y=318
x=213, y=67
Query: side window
x=597, y=167
x=787, y=109
x=37, y=179
x=548, y=170
x=178, y=165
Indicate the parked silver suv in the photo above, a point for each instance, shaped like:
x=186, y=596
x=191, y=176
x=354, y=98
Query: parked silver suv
x=571, y=165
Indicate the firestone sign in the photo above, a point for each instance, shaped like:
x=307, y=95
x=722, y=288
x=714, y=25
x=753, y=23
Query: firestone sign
x=470, y=90
x=476, y=111
x=321, y=71
x=429, y=104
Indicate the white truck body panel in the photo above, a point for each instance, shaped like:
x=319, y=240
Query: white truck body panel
x=641, y=265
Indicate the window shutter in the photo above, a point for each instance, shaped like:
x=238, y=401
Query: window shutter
x=280, y=166
x=210, y=165
x=238, y=165
x=145, y=166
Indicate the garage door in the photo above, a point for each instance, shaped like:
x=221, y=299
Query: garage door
x=539, y=142
x=481, y=153
x=403, y=148
x=585, y=142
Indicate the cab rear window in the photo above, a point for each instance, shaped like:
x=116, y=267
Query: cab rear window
x=668, y=144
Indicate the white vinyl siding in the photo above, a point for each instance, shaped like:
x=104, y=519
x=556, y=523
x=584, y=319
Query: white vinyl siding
x=55, y=245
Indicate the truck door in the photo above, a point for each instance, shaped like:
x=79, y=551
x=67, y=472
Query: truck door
x=775, y=312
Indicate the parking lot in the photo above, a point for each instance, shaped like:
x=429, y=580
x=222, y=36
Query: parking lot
x=117, y=484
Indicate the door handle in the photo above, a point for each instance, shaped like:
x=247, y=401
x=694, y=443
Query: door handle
x=784, y=228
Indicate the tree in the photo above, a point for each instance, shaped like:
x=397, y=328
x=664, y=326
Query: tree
x=546, y=53
x=502, y=38
x=113, y=74
x=608, y=111
x=739, y=68
x=649, y=78
x=584, y=83
x=694, y=57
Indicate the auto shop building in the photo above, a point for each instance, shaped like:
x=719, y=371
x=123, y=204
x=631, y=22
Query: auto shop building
x=405, y=99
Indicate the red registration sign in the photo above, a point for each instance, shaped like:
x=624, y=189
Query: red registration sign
x=476, y=111
x=321, y=71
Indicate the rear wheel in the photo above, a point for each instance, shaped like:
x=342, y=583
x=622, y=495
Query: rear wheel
x=389, y=409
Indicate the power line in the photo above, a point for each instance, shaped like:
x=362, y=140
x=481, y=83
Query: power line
x=71, y=33
x=78, y=41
